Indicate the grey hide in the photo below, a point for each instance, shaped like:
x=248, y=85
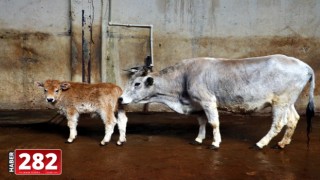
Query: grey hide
x=242, y=85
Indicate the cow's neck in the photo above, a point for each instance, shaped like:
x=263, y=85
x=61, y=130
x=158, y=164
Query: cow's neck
x=169, y=85
x=168, y=90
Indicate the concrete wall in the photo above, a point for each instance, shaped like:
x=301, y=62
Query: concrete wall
x=42, y=39
x=217, y=28
x=36, y=42
x=34, y=45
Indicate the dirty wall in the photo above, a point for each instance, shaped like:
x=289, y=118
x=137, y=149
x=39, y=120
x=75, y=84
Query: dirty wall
x=34, y=45
x=217, y=28
x=45, y=39
x=41, y=39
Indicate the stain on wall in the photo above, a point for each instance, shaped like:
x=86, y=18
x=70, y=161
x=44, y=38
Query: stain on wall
x=34, y=46
x=92, y=51
x=26, y=57
x=86, y=40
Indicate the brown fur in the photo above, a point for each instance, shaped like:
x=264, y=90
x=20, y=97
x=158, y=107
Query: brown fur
x=73, y=98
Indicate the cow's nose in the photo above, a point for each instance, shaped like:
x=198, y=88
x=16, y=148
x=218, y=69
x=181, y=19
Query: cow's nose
x=50, y=99
x=120, y=100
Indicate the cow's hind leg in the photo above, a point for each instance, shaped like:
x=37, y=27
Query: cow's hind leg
x=202, y=120
x=293, y=118
x=110, y=121
x=122, y=125
x=279, y=120
x=72, y=117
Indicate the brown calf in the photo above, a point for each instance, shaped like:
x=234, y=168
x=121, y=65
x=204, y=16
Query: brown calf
x=73, y=99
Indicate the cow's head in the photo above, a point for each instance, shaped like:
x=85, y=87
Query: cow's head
x=139, y=89
x=52, y=89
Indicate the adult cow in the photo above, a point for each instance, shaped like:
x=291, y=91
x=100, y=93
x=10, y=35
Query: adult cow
x=242, y=85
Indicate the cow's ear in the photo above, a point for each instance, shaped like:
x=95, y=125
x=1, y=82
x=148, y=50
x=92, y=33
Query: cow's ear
x=149, y=81
x=65, y=85
x=39, y=84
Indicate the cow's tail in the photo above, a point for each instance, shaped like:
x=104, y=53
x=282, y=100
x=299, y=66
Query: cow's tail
x=310, y=108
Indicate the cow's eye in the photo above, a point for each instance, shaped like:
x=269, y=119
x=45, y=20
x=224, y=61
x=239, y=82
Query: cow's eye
x=137, y=84
x=57, y=90
x=45, y=90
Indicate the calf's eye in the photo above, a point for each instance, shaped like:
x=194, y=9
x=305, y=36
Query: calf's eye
x=45, y=90
x=57, y=90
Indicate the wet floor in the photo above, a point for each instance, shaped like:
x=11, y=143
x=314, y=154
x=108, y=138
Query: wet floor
x=158, y=148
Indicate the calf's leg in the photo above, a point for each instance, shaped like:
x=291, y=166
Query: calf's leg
x=110, y=121
x=122, y=125
x=72, y=117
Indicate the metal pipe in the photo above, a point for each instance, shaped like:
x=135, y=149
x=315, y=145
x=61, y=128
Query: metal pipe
x=103, y=40
x=151, y=44
x=131, y=25
x=82, y=43
x=150, y=26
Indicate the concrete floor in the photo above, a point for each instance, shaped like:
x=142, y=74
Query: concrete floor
x=158, y=148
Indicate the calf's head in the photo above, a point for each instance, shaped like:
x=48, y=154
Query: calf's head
x=52, y=89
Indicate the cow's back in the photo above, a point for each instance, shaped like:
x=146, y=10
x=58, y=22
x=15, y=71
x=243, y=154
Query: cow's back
x=247, y=84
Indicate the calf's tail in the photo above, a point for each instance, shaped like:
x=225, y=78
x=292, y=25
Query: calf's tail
x=310, y=108
x=120, y=108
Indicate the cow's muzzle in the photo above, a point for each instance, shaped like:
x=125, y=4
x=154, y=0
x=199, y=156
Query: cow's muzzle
x=121, y=100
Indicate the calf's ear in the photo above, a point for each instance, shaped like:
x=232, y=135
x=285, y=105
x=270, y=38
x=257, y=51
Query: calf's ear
x=39, y=84
x=65, y=85
x=149, y=81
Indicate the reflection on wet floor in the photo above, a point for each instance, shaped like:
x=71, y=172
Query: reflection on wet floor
x=158, y=148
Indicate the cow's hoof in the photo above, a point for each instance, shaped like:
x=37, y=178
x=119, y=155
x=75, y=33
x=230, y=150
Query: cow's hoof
x=213, y=147
x=255, y=147
x=195, y=143
x=67, y=142
x=119, y=143
x=277, y=147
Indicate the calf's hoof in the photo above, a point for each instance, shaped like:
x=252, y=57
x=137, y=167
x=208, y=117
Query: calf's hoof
x=102, y=143
x=195, y=143
x=69, y=141
x=277, y=147
x=255, y=147
x=213, y=147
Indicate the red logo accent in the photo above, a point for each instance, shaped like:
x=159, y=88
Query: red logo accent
x=38, y=161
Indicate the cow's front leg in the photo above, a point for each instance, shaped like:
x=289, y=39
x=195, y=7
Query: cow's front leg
x=202, y=120
x=72, y=116
x=110, y=121
x=210, y=108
